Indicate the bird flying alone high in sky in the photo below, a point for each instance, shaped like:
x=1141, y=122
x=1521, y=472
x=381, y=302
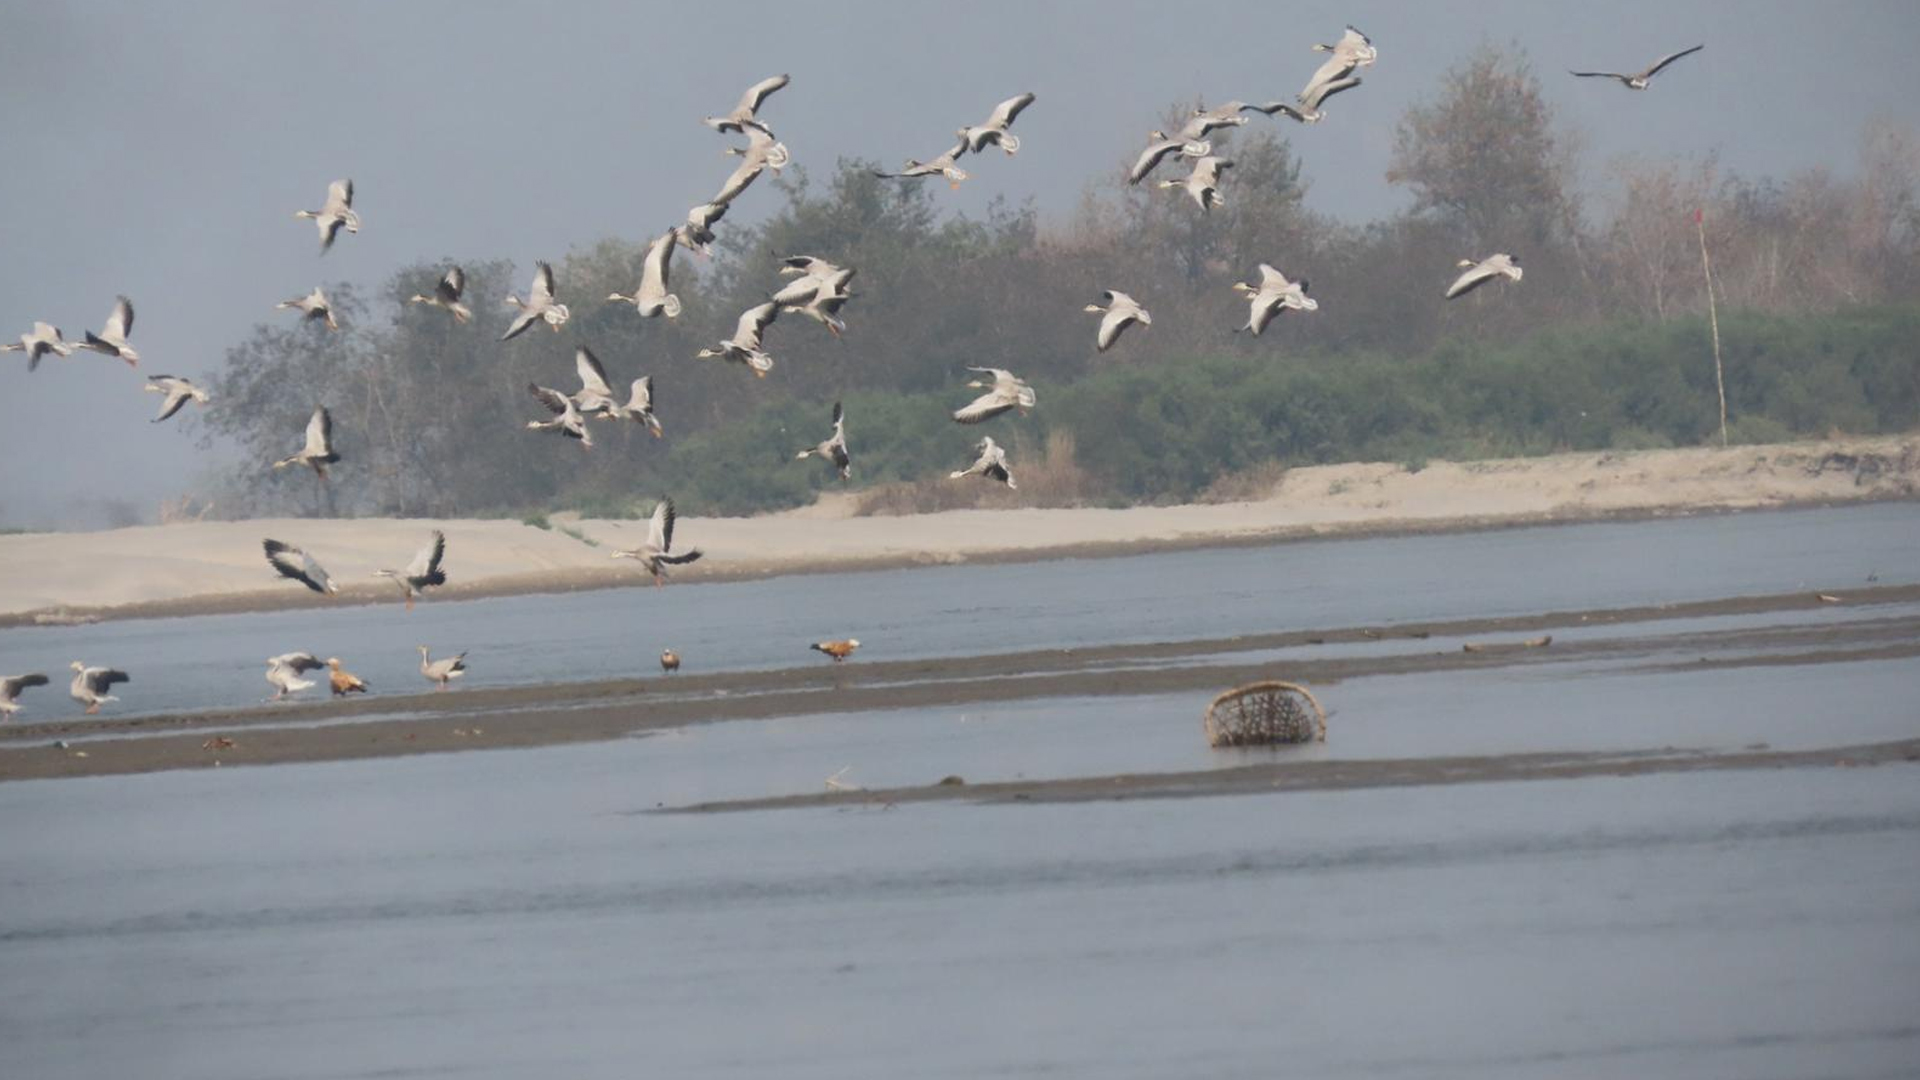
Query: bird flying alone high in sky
x=1639, y=80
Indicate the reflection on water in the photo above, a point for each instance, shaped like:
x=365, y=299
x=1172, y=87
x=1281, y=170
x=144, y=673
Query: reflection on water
x=219, y=661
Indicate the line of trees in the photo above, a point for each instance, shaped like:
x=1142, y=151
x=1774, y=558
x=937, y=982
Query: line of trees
x=1601, y=345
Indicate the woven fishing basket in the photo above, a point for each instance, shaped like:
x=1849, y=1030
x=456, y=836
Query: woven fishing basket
x=1265, y=714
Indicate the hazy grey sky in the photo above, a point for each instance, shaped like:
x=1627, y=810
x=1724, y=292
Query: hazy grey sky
x=159, y=150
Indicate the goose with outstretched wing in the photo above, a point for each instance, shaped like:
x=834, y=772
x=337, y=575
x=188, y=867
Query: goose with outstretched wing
x=656, y=554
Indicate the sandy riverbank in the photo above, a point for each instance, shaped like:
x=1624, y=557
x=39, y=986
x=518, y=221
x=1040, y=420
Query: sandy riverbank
x=217, y=566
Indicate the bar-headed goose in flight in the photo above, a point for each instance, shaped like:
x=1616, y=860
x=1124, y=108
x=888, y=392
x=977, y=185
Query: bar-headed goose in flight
x=825, y=306
x=1354, y=49
x=284, y=671
x=994, y=131
x=745, y=345
x=652, y=297
x=1158, y=148
x=342, y=681
x=1007, y=391
x=655, y=553
x=1639, y=80
x=1273, y=295
x=10, y=688
x=424, y=572
x=336, y=212
x=179, y=391
x=566, y=419
x=112, y=338
x=44, y=338
x=447, y=295
x=318, y=453
x=290, y=562
x=992, y=464
x=1479, y=273
x=762, y=152
x=314, y=305
x=639, y=406
x=1310, y=99
x=442, y=672
x=834, y=450
x=538, y=305
x=90, y=685
x=596, y=393
x=1120, y=312
x=1203, y=183
x=818, y=291
x=697, y=233
x=749, y=106
x=939, y=166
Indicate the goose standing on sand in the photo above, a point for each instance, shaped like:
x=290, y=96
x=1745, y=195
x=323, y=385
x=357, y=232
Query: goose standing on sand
x=669, y=661
x=10, y=688
x=442, y=672
x=318, y=453
x=697, y=233
x=654, y=554
x=1159, y=147
x=1638, y=80
x=424, y=572
x=938, y=166
x=112, y=338
x=652, y=297
x=284, y=671
x=839, y=650
x=1007, y=391
x=994, y=131
x=314, y=305
x=90, y=685
x=1203, y=183
x=44, y=338
x=749, y=107
x=992, y=464
x=1120, y=312
x=290, y=562
x=336, y=212
x=538, y=305
x=179, y=391
x=762, y=152
x=447, y=294
x=1273, y=295
x=1479, y=273
x=746, y=344
x=566, y=419
x=341, y=681
x=834, y=450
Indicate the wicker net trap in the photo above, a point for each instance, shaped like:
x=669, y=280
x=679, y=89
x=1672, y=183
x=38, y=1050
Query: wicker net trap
x=1265, y=713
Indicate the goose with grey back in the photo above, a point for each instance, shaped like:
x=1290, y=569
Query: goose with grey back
x=596, y=393
x=112, y=338
x=539, y=305
x=441, y=672
x=994, y=131
x=446, y=295
x=656, y=554
x=1203, y=183
x=746, y=344
x=178, y=392
x=1117, y=313
x=566, y=418
x=44, y=338
x=761, y=153
x=1476, y=274
x=1159, y=148
x=652, y=297
x=749, y=107
x=1638, y=80
x=834, y=449
x=991, y=463
x=1007, y=391
x=90, y=685
x=1272, y=295
x=294, y=564
x=424, y=572
x=318, y=452
x=639, y=406
x=337, y=212
x=284, y=671
x=10, y=687
x=314, y=306
x=1353, y=50
x=697, y=234
x=943, y=165
x=1309, y=111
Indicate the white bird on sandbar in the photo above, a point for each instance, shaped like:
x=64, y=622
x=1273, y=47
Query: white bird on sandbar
x=651, y=297
x=1120, y=312
x=424, y=572
x=284, y=671
x=318, y=452
x=655, y=554
x=992, y=464
x=994, y=130
x=749, y=106
x=538, y=305
x=834, y=449
x=112, y=338
x=1273, y=295
x=1007, y=391
x=90, y=685
x=336, y=212
x=447, y=294
x=442, y=672
x=179, y=391
x=1479, y=273
x=44, y=338
x=746, y=344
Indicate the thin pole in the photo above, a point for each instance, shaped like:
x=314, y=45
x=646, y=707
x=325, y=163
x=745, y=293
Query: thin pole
x=1713, y=320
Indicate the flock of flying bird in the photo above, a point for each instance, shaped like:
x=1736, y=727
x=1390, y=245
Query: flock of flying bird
x=819, y=290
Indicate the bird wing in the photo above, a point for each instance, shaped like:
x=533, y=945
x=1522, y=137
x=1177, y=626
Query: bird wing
x=100, y=680
x=1668, y=59
x=839, y=418
x=542, y=285
x=1149, y=158
x=293, y=563
x=641, y=395
x=985, y=407
x=704, y=215
x=1005, y=112
x=426, y=561
x=526, y=318
x=1115, y=320
x=742, y=176
x=120, y=323
x=11, y=686
x=319, y=433
x=758, y=93
x=298, y=662
x=452, y=285
x=753, y=322
x=1598, y=75
x=339, y=197
x=1338, y=65
x=1327, y=90
x=653, y=272
x=593, y=377
x=555, y=401
x=660, y=528
x=1474, y=277
x=1272, y=280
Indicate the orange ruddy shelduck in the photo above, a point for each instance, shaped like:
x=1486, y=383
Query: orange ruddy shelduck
x=839, y=650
